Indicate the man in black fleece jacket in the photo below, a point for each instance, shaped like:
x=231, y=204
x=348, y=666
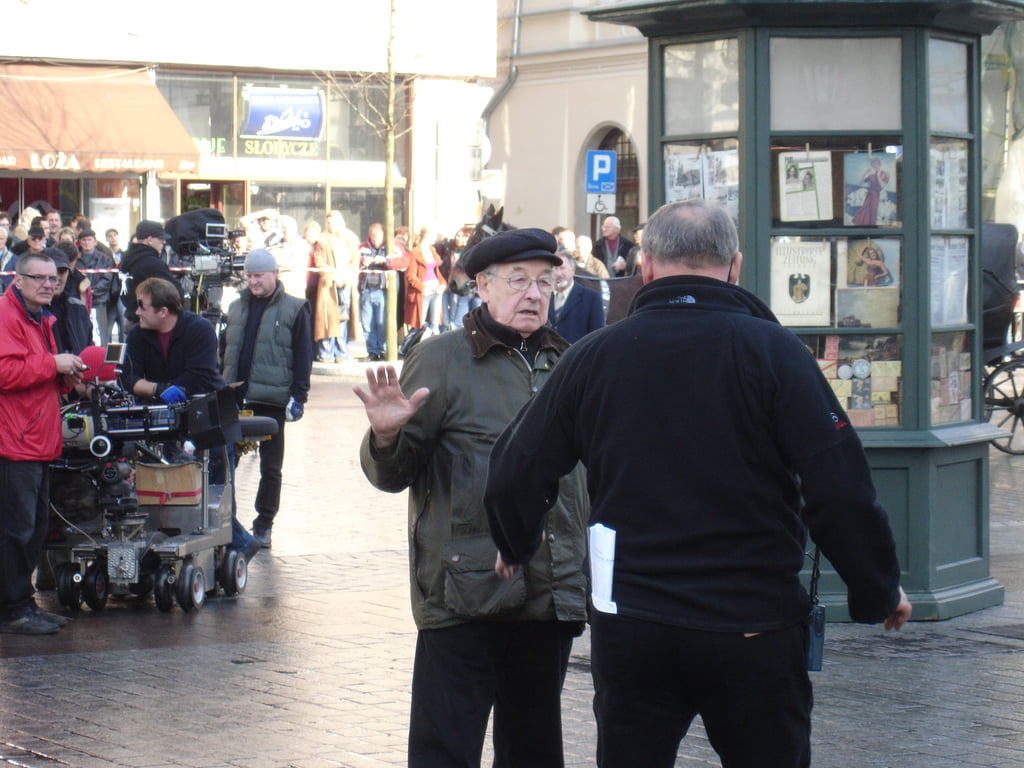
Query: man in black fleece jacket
x=712, y=444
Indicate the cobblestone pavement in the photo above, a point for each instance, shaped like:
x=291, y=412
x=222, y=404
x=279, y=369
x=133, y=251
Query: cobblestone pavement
x=310, y=667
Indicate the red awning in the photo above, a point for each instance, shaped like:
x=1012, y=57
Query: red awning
x=89, y=120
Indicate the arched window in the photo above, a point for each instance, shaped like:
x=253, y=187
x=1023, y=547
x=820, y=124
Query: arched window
x=627, y=190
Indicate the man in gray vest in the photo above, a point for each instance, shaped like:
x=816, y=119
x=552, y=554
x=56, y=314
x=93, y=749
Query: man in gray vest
x=268, y=348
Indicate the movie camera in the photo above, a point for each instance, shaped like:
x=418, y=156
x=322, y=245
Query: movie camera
x=210, y=252
x=135, y=505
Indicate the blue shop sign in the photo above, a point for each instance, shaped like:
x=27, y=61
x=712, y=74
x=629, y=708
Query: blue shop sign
x=283, y=113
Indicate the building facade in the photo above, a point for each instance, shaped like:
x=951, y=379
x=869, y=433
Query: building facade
x=120, y=118
x=565, y=86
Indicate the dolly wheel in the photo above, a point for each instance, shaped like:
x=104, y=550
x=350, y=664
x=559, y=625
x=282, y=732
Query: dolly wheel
x=95, y=587
x=234, y=572
x=69, y=586
x=191, y=587
x=163, y=588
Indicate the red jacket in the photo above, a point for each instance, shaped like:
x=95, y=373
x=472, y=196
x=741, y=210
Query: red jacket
x=29, y=387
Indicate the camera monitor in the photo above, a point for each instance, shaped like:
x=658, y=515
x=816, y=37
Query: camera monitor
x=114, y=354
x=216, y=231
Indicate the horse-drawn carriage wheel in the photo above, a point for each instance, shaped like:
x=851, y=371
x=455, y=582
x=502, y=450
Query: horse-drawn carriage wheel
x=234, y=572
x=95, y=587
x=69, y=586
x=1004, y=404
x=191, y=587
x=163, y=588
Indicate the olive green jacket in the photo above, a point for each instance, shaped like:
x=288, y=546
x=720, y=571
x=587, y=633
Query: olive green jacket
x=477, y=385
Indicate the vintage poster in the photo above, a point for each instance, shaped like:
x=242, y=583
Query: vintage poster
x=805, y=186
x=948, y=171
x=871, y=196
x=705, y=175
x=801, y=282
x=868, y=307
x=873, y=262
x=948, y=261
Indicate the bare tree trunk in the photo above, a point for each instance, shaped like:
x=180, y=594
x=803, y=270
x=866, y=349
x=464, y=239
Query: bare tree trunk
x=389, y=140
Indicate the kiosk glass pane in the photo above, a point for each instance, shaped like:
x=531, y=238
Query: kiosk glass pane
x=947, y=86
x=948, y=263
x=866, y=373
x=835, y=84
x=837, y=282
x=950, y=379
x=948, y=183
x=705, y=171
x=702, y=93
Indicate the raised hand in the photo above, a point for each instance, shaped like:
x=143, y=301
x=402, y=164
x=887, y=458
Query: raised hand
x=387, y=408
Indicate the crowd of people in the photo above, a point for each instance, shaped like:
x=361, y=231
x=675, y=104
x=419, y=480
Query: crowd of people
x=344, y=277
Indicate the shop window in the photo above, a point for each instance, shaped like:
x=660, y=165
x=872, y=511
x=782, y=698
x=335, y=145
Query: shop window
x=203, y=105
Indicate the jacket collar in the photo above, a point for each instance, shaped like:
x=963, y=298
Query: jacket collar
x=702, y=293
x=482, y=341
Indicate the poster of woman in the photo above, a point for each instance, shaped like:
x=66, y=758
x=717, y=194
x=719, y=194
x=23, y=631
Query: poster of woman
x=871, y=194
x=873, y=262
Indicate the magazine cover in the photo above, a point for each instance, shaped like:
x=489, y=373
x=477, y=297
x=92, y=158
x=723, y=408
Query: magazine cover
x=707, y=175
x=805, y=186
x=873, y=262
x=871, y=198
x=801, y=282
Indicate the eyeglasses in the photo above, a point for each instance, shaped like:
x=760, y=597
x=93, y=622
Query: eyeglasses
x=520, y=283
x=42, y=279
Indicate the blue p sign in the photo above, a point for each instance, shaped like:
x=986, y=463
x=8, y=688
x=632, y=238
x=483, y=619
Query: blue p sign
x=601, y=171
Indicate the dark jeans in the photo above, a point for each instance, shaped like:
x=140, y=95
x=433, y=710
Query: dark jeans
x=24, y=512
x=268, y=495
x=651, y=680
x=460, y=672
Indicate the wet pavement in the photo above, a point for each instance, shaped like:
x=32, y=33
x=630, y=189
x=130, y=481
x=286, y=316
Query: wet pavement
x=310, y=667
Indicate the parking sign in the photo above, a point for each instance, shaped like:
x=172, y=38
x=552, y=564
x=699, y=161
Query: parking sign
x=601, y=171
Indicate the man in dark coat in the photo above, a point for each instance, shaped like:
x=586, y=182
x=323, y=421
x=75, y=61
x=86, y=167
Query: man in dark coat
x=574, y=311
x=612, y=248
x=142, y=261
x=713, y=446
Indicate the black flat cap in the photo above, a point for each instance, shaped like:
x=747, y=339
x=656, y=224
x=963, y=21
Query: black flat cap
x=509, y=246
x=150, y=229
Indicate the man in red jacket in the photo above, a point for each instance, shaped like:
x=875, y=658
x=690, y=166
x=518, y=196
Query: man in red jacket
x=32, y=378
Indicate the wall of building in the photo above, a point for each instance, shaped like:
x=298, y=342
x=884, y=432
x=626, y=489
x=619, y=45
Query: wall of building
x=574, y=81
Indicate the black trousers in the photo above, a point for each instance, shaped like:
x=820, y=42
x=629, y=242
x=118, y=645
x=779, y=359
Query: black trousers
x=651, y=680
x=461, y=672
x=268, y=495
x=24, y=514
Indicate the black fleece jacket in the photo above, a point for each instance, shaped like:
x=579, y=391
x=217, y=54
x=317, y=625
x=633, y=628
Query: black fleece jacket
x=711, y=439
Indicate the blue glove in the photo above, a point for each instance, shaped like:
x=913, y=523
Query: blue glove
x=294, y=410
x=171, y=394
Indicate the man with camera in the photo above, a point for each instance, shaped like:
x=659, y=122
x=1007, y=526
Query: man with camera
x=171, y=355
x=713, y=445
x=268, y=349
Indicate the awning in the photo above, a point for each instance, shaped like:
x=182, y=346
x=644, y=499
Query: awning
x=89, y=120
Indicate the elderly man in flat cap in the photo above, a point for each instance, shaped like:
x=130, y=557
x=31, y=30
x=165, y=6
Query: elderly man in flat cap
x=482, y=641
